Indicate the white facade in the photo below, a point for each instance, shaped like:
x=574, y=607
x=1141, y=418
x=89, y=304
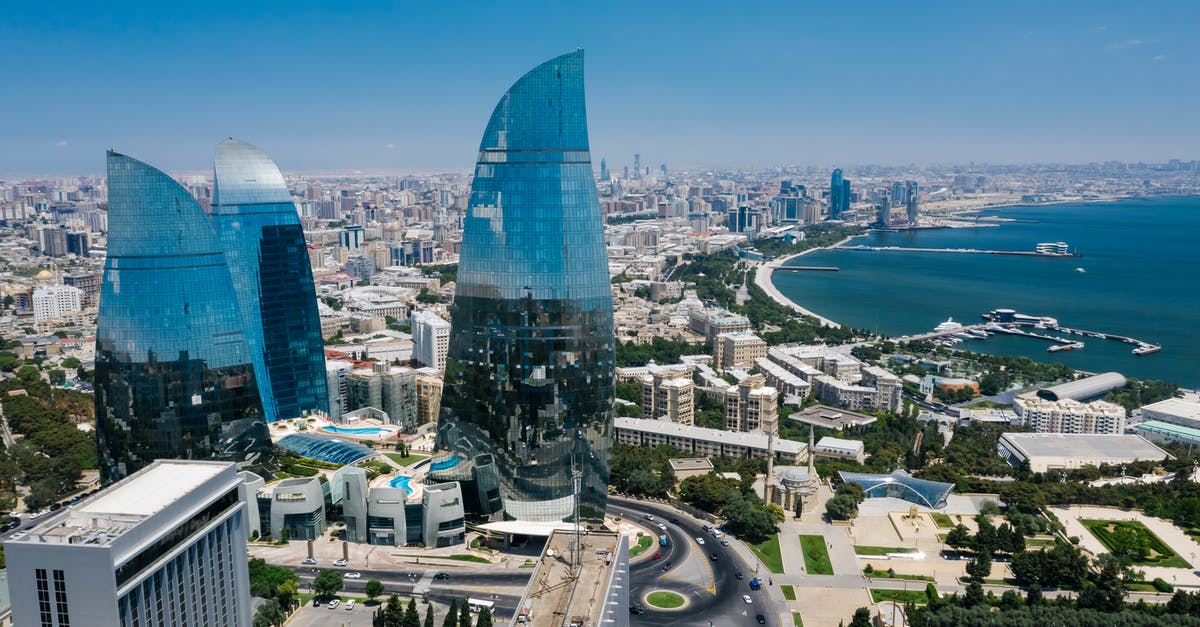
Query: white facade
x=55, y=301
x=1069, y=416
x=165, y=546
x=431, y=339
x=705, y=441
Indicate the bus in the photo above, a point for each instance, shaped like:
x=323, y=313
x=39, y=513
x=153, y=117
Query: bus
x=478, y=604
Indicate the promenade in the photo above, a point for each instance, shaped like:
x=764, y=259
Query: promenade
x=762, y=278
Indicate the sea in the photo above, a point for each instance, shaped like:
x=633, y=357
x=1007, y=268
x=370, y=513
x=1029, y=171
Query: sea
x=1140, y=278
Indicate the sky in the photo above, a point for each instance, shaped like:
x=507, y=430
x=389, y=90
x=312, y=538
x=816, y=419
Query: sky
x=408, y=86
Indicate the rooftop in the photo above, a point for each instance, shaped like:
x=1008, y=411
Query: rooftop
x=554, y=598
x=853, y=445
x=750, y=439
x=832, y=417
x=691, y=463
x=1166, y=428
x=1095, y=446
x=1188, y=408
x=147, y=493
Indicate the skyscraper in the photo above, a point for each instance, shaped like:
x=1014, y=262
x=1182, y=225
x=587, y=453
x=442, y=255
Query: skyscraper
x=529, y=375
x=259, y=230
x=839, y=195
x=604, y=171
x=910, y=205
x=174, y=377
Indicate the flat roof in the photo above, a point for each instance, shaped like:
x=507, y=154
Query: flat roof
x=691, y=463
x=832, y=417
x=1097, y=446
x=148, y=492
x=554, y=598
x=751, y=439
x=832, y=442
x=1178, y=407
x=1157, y=426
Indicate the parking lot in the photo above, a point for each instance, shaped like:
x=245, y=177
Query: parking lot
x=309, y=616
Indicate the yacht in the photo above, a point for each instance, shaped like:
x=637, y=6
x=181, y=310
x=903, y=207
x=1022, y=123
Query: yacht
x=947, y=326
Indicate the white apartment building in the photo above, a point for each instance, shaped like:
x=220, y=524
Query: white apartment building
x=669, y=395
x=1069, y=416
x=740, y=349
x=431, y=339
x=165, y=546
x=706, y=442
x=55, y=301
x=751, y=405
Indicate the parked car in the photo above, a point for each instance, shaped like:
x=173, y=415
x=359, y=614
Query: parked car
x=316, y=602
x=341, y=562
x=308, y=561
x=336, y=602
x=350, y=605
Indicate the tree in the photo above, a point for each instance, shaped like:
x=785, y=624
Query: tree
x=28, y=374
x=841, y=507
x=451, y=619
x=411, y=617
x=485, y=618
x=71, y=362
x=327, y=583
x=974, y=595
x=57, y=377
x=958, y=537
x=373, y=589
x=1034, y=596
x=428, y=615
x=287, y=592
x=266, y=580
x=269, y=614
x=862, y=618
x=464, y=614
x=979, y=568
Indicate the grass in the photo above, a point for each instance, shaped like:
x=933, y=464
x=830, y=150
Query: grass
x=943, y=521
x=789, y=592
x=988, y=405
x=900, y=596
x=664, y=600
x=883, y=574
x=1157, y=551
x=405, y=460
x=643, y=544
x=1039, y=542
x=463, y=557
x=816, y=558
x=799, y=622
x=864, y=549
x=767, y=552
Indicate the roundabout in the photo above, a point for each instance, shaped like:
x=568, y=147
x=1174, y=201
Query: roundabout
x=665, y=600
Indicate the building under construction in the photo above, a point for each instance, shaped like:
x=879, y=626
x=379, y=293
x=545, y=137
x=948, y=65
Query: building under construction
x=580, y=580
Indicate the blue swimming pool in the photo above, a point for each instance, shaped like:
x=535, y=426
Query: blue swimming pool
x=445, y=464
x=401, y=482
x=356, y=430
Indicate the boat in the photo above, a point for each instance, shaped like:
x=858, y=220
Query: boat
x=964, y=336
x=1065, y=347
x=1146, y=349
x=1080, y=270
x=947, y=326
x=979, y=333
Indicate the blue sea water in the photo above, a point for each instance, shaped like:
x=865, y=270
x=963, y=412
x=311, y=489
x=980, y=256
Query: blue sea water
x=1141, y=279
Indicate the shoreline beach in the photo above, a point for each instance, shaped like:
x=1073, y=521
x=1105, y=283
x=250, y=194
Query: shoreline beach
x=762, y=278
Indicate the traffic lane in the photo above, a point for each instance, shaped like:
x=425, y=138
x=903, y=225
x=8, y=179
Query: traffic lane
x=674, y=553
x=514, y=577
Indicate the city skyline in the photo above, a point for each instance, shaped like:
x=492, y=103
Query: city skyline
x=697, y=88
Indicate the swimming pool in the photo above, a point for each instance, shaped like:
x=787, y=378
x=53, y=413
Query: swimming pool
x=401, y=482
x=355, y=430
x=445, y=464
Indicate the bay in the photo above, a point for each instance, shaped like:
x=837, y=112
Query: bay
x=1141, y=280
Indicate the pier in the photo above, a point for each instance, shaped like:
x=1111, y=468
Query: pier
x=1023, y=253
x=808, y=268
x=1140, y=347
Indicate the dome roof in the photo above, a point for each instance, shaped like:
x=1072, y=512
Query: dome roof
x=796, y=476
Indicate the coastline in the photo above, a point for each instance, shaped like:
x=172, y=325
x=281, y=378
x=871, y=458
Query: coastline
x=762, y=278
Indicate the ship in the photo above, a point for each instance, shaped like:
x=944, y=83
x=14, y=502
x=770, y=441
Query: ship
x=1080, y=270
x=1146, y=349
x=1065, y=347
x=979, y=333
x=947, y=326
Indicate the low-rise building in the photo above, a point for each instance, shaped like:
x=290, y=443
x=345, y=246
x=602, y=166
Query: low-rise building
x=704, y=441
x=1183, y=411
x=1164, y=432
x=690, y=467
x=837, y=448
x=832, y=417
x=790, y=386
x=1068, y=451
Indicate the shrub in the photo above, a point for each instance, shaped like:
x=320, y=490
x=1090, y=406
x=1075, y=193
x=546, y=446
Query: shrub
x=1162, y=586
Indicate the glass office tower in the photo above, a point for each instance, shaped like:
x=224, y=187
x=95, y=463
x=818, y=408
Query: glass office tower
x=529, y=376
x=259, y=230
x=174, y=378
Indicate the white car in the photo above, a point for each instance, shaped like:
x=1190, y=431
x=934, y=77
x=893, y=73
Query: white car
x=745, y=597
x=334, y=603
x=700, y=541
x=341, y=562
x=662, y=526
x=350, y=604
x=352, y=575
x=308, y=560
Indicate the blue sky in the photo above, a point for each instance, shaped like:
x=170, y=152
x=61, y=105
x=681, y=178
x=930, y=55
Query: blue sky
x=409, y=86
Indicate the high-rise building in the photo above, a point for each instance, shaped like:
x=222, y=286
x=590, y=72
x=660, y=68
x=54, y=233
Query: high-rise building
x=839, y=195
x=637, y=164
x=174, y=377
x=604, y=171
x=259, y=230
x=529, y=375
x=751, y=405
x=897, y=192
x=431, y=339
x=55, y=301
x=668, y=395
x=165, y=546
x=910, y=202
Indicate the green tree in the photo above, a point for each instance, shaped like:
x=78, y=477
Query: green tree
x=464, y=614
x=428, y=615
x=958, y=537
x=974, y=595
x=373, y=589
x=327, y=583
x=28, y=374
x=287, y=592
x=71, y=362
x=484, y=619
x=862, y=618
x=979, y=568
x=269, y=614
x=451, y=619
x=841, y=507
x=57, y=377
x=411, y=617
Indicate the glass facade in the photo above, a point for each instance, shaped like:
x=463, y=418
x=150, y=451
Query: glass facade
x=259, y=230
x=529, y=375
x=324, y=448
x=174, y=378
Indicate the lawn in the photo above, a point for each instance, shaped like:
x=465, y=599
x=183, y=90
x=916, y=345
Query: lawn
x=900, y=596
x=405, y=460
x=816, y=558
x=642, y=544
x=789, y=592
x=768, y=553
x=1133, y=539
x=883, y=574
x=463, y=557
x=1039, y=542
x=665, y=600
x=797, y=620
x=943, y=521
x=864, y=549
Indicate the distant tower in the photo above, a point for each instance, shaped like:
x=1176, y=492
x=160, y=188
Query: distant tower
x=603, y=170
x=837, y=188
x=897, y=192
x=663, y=168
x=911, y=207
x=885, y=208
x=637, y=164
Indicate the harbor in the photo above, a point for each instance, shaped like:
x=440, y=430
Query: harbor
x=1009, y=322
x=1022, y=253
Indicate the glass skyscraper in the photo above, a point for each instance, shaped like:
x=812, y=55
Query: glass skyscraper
x=529, y=376
x=258, y=228
x=174, y=377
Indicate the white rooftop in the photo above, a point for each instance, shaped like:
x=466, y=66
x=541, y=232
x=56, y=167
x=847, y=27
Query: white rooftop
x=832, y=442
x=148, y=493
x=1187, y=408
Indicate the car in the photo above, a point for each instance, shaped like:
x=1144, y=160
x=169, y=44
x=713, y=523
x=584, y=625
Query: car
x=673, y=520
x=334, y=603
x=666, y=566
x=713, y=556
x=656, y=556
x=441, y=576
x=716, y=533
x=724, y=542
x=762, y=620
x=353, y=575
x=737, y=574
x=56, y=507
x=662, y=526
x=350, y=605
x=316, y=602
x=747, y=599
x=699, y=540
x=649, y=517
x=341, y=562
x=309, y=561
x=707, y=528
x=637, y=609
